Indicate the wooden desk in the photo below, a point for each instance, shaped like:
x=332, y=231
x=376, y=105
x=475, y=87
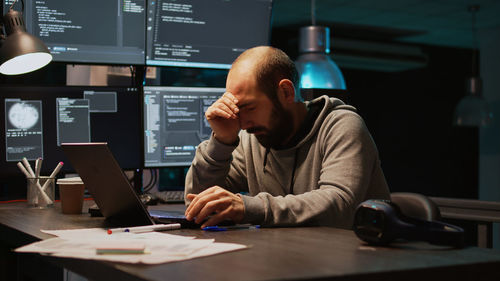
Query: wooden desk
x=305, y=253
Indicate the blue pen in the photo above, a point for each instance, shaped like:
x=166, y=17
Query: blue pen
x=218, y=228
x=214, y=228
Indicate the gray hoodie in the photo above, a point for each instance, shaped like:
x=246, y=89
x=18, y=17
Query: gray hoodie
x=318, y=181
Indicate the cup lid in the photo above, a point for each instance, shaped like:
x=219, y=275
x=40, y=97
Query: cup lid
x=73, y=180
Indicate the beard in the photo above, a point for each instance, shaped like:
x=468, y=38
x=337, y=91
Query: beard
x=279, y=130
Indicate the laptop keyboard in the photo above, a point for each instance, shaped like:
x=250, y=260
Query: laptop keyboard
x=170, y=196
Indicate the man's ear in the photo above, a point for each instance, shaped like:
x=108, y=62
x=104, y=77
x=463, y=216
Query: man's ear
x=287, y=91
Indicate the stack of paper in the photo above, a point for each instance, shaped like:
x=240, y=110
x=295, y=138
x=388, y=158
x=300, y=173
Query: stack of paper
x=158, y=247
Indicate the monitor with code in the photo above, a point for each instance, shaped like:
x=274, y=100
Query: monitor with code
x=204, y=33
x=175, y=124
x=37, y=120
x=90, y=31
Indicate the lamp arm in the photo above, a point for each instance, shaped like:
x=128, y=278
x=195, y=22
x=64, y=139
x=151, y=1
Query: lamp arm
x=2, y=36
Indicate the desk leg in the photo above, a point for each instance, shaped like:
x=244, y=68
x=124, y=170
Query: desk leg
x=485, y=235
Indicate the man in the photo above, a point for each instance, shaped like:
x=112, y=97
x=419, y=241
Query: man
x=300, y=163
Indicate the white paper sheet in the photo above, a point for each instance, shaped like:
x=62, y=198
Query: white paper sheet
x=100, y=233
x=160, y=247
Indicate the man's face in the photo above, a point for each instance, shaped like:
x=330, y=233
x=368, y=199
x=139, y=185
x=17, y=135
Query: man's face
x=258, y=114
x=277, y=130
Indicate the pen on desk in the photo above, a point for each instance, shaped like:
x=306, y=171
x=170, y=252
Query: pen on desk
x=224, y=228
x=146, y=228
x=53, y=175
x=214, y=228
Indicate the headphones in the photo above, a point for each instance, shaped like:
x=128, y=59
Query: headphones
x=379, y=222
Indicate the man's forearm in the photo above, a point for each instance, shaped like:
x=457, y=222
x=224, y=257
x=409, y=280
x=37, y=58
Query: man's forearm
x=210, y=166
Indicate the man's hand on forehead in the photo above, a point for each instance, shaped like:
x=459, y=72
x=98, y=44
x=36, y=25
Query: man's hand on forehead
x=223, y=118
x=231, y=102
x=230, y=97
x=224, y=107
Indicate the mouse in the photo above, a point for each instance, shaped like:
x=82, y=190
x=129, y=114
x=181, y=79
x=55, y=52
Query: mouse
x=148, y=199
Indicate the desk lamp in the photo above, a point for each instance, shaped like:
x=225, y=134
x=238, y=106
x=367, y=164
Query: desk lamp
x=315, y=67
x=20, y=52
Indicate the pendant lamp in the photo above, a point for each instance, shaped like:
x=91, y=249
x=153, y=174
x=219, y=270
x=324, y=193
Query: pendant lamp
x=316, y=69
x=473, y=110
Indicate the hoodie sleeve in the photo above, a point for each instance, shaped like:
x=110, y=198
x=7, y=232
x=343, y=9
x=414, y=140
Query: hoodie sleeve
x=348, y=166
x=213, y=165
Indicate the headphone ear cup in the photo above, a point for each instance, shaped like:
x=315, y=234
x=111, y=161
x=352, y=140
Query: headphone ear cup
x=434, y=232
x=380, y=222
x=397, y=211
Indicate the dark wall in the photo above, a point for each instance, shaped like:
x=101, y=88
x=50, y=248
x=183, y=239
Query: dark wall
x=409, y=115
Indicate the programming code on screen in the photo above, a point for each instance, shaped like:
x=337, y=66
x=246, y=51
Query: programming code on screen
x=175, y=124
x=204, y=33
x=91, y=31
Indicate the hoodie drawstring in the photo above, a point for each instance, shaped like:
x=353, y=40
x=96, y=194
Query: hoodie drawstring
x=265, y=160
x=293, y=170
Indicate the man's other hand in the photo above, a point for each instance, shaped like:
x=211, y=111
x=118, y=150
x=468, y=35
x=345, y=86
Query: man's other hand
x=217, y=203
x=222, y=116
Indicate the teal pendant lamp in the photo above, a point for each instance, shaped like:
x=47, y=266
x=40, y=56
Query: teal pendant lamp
x=316, y=69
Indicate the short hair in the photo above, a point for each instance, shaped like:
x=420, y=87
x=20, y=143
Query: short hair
x=273, y=66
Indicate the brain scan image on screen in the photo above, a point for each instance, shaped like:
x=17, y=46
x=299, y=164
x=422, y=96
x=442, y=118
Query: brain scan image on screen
x=23, y=116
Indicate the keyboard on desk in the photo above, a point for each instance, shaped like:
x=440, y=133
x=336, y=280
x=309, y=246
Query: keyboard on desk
x=170, y=196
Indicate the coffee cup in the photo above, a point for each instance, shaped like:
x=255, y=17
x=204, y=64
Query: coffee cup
x=71, y=195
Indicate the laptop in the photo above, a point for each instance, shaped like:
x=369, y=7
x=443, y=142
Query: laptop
x=111, y=189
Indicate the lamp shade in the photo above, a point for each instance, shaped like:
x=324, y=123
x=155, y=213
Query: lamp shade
x=21, y=52
x=316, y=69
x=473, y=110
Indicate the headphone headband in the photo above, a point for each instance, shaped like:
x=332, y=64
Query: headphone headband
x=380, y=222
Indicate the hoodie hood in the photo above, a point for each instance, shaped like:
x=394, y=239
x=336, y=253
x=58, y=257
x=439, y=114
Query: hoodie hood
x=325, y=105
x=328, y=104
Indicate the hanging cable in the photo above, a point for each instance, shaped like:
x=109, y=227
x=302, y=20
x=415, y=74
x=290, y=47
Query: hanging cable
x=133, y=71
x=313, y=12
x=148, y=186
x=473, y=9
x=152, y=181
x=144, y=75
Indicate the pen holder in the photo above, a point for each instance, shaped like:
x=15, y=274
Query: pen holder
x=40, y=193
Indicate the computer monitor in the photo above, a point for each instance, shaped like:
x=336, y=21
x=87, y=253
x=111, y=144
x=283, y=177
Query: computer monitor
x=39, y=119
x=175, y=124
x=204, y=33
x=90, y=31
